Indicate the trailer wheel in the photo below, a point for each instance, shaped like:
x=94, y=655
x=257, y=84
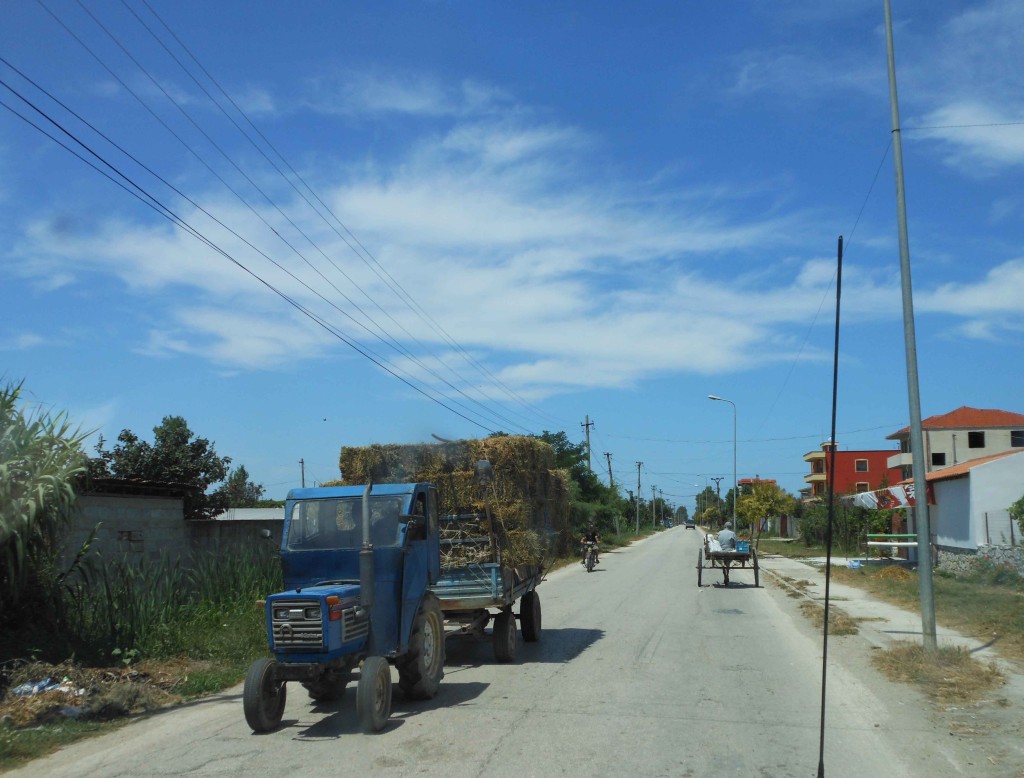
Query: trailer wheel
x=505, y=634
x=373, y=694
x=421, y=669
x=330, y=687
x=264, y=698
x=529, y=617
x=700, y=566
x=757, y=569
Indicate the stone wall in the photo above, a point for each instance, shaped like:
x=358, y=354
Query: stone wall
x=961, y=561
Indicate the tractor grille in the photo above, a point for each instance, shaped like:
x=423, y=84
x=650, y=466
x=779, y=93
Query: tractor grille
x=355, y=624
x=297, y=623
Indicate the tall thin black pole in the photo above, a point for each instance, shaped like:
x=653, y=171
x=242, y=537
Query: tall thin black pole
x=831, y=509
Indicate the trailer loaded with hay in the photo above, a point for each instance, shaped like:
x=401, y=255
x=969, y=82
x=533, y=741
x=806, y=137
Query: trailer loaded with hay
x=503, y=515
x=414, y=544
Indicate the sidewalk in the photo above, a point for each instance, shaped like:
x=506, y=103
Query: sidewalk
x=888, y=622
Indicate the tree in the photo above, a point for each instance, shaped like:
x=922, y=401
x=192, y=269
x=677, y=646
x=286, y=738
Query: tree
x=239, y=491
x=1017, y=512
x=176, y=456
x=764, y=500
x=41, y=457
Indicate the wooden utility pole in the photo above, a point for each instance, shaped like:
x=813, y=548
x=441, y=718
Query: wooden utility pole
x=611, y=479
x=302, y=464
x=638, y=493
x=587, y=425
x=654, y=505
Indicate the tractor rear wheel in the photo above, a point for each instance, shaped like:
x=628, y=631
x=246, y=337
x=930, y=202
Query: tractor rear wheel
x=421, y=669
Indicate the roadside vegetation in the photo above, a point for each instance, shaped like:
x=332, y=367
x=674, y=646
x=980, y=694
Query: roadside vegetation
x=100, y=639
x=948, y=675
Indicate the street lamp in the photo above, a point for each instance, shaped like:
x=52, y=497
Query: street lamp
x=735, y=481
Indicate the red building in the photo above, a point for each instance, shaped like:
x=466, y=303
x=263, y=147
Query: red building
x=855, y=471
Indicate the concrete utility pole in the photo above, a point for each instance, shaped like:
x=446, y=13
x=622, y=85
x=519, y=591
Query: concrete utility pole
x=302, y=464
x=638, y=493
x=611, y=479
x=587, y=425
x=718, y=489
x=654, y=505
x=920, y=512
x=661, y=496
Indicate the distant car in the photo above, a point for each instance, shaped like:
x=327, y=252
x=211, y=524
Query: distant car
x=690, y=524
x=668, y=523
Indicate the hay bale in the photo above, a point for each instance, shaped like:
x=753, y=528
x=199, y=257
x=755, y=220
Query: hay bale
x=527, y=500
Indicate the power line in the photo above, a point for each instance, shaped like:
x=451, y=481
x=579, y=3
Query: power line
x=152, y=202
x=362, y=252
x=385, y=337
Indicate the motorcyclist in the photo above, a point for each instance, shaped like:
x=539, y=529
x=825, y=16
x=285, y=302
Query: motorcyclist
x=589, y=536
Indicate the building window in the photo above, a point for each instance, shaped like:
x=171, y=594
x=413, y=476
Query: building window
x=938, y=459
x=860, y=465
x=862, y=486
x=1017, y=438
x=975, y=440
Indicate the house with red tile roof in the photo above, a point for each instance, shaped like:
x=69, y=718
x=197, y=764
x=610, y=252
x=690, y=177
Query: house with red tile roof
x=960, y=436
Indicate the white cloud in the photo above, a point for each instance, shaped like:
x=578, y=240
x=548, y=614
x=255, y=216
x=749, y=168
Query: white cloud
x=974, y=134
x=21, y=341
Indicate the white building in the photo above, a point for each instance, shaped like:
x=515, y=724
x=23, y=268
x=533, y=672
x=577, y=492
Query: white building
x=972, y=501
x=960, y=436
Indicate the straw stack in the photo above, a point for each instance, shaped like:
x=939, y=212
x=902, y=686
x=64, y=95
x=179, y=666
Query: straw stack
x=527, y=500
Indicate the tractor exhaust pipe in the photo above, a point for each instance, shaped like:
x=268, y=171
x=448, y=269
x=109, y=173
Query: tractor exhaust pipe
x=366, y=568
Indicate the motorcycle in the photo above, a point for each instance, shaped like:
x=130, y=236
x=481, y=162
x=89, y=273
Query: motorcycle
x=590, y=555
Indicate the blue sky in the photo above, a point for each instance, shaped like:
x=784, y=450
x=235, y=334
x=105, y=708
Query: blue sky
x=532, y=212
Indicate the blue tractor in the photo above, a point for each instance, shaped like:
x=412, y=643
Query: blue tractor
x=358, y=564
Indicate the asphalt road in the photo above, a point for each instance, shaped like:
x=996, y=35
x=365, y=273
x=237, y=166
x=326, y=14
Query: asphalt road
x=638, y=672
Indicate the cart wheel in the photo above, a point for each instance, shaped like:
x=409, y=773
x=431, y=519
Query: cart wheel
x=373, y=694
x=700, y=566
x=263, y=699
x=529, y=617
x=505, y=634
x=757, y=568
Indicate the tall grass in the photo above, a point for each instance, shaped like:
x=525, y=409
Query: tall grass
x=115, y=610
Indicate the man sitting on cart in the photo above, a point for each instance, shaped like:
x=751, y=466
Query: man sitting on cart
x=727, y=538
x=589, y=536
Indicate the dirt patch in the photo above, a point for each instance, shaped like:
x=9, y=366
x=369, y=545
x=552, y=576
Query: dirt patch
x=70, y=690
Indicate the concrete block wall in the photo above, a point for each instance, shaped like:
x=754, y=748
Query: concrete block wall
x=136, y=528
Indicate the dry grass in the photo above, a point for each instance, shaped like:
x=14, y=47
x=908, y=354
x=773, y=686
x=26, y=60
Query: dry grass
x=947, y=675
x=839, y=623
x=90, y=693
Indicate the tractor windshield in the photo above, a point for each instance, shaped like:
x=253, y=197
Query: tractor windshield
x=338, y=523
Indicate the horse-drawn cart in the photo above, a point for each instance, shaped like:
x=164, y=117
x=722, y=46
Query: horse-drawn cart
x=713, y=557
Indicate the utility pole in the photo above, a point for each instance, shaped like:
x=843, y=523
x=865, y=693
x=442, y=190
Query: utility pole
x=587, y=425
x=638, y=493
x=611, y=480
x=718, y=491
x=302, y=464
x=920, y=511
x=661, y=495
x=654, y=505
